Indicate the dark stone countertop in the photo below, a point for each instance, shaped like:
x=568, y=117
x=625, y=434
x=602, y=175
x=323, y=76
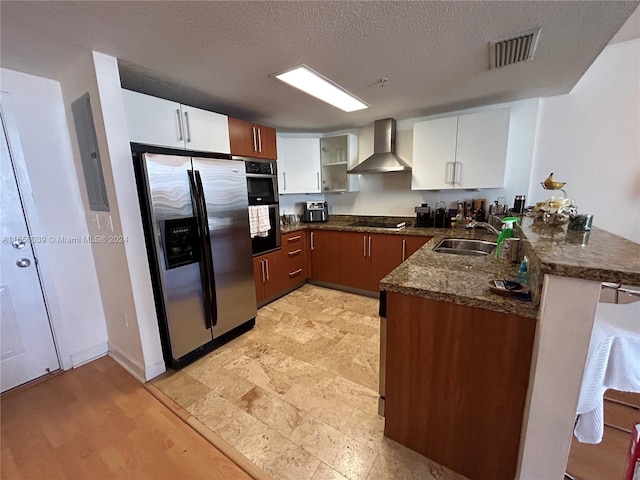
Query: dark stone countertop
x=461, y=279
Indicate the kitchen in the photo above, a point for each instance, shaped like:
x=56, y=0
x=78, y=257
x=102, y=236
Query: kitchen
x=144, y=352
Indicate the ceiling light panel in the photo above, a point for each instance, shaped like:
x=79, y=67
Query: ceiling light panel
x=311, y=82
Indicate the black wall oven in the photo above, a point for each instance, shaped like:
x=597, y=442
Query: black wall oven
x=262, y=188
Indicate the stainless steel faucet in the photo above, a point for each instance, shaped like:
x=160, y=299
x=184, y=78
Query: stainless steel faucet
x=488, y=226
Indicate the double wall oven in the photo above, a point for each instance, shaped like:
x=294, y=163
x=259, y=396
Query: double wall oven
x=262, y=188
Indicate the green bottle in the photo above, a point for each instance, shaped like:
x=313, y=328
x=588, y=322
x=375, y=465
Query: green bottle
x=506, y=232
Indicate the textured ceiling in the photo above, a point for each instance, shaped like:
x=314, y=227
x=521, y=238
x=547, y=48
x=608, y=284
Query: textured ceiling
x=219, y=55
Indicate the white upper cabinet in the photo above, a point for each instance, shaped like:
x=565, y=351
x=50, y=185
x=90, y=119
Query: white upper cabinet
x=156, y=121
x=467, y=151
x=481, y=152
x=298, y=165
x=206, y=131
x=434, y=154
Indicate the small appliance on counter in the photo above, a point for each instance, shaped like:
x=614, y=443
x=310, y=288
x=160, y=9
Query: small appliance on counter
x=425, y=216
x=315, y=212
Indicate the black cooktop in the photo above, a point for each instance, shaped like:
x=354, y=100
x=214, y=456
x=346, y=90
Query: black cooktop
x=378, y=223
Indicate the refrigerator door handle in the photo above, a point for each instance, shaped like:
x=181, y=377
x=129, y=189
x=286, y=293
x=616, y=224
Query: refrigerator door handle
x=207, y=248
x=204, y=271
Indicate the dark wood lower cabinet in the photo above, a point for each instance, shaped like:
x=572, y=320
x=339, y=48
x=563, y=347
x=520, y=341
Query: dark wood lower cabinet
x=358, y=260
x=456, y=383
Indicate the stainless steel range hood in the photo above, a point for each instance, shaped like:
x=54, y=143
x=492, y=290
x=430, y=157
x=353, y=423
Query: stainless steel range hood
x=384, y=158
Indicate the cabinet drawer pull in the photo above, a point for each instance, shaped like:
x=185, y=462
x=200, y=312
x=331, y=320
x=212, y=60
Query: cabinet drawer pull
x=293, y=239
x=404, y=249
x=267, y=264
x=295, y=252
x=262, y=267
x=259, y=140
x=311, y=240
x=295, y=272
x=364, y=246
x=369, y=247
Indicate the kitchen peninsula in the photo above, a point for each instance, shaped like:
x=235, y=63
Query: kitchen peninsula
x=458, y=383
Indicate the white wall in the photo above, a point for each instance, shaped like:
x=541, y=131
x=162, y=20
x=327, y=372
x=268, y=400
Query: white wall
x=70, y=280
x=590, y=138
x=391, y=194
x=114, y=122
x=99, y=76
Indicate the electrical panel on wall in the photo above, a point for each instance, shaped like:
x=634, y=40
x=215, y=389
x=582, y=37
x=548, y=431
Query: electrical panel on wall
x=90, y=154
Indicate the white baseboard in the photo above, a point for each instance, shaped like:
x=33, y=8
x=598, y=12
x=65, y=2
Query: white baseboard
x=153, y=370
x=133, y=368
x=141, y=373
x=89, y=354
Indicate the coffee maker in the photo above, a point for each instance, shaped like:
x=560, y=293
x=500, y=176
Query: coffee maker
x=425, y=217
x=315, y=212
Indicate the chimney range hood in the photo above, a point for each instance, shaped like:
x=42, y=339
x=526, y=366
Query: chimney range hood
x=384, y=158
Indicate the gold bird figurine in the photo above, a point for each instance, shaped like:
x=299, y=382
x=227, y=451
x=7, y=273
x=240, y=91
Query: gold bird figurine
x=550, y=184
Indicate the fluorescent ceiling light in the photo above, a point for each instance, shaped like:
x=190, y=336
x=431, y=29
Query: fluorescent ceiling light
x=311, y=82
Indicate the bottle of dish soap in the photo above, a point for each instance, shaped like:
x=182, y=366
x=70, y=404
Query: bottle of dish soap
x=523, y=271
x=506, y=232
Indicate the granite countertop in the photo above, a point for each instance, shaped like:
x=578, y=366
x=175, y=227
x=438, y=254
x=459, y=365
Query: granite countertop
x=342, y=223
x=597, y=255
x=459, y=279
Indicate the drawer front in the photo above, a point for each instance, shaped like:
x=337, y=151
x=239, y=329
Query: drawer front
x=293, y=240
x=295, y=270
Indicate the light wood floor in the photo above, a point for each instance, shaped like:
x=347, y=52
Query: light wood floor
x=97, y=421
x=607, y=460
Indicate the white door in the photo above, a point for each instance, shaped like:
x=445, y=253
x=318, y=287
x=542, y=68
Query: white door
x=153, y=121
x=482, y=149
x=27, y=349
x=205, y=131
x=434, y=154
x=298, y=165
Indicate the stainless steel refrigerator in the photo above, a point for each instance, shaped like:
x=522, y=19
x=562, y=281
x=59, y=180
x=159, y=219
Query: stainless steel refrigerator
x=197, y=230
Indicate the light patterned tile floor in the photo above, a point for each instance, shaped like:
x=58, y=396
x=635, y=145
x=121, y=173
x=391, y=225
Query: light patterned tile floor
x=297, y=395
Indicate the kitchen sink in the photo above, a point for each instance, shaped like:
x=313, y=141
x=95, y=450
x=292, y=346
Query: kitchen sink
x=461, y=246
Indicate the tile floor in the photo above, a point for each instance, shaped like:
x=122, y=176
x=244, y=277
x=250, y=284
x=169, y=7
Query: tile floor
x=297, y=395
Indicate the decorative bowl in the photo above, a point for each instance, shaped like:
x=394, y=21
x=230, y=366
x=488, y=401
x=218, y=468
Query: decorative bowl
x=555, y=219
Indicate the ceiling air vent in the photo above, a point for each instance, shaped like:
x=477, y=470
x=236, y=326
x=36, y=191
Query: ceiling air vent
x=516, y=49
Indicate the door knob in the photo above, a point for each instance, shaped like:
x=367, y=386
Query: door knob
x=23, y=262
x=17, y=244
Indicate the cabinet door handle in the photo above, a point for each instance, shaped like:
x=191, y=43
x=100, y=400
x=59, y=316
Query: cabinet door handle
x=318, y=179
x=295, y=272
x=255, y=143
x=369, y=246
x=180, y=133
x=262, y=268
x=295, y=252
x=457, y=173
x=404, y=249
x=267, y=264
x=449, y=173
x=186, y=117
x=259, y=140
x=311, y=240
x=284, y=180
x=293, y=239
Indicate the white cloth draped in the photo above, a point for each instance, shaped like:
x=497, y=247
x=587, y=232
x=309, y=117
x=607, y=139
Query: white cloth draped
x=613, y=361
x=259, y=222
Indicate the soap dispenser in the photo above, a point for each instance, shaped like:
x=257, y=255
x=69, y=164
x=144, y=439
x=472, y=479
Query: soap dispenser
x=506, y=232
